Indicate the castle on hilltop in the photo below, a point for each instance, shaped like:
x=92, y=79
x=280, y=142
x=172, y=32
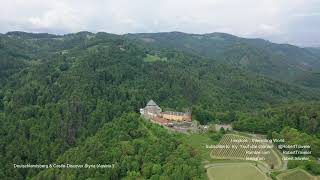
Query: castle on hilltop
x=154, y=112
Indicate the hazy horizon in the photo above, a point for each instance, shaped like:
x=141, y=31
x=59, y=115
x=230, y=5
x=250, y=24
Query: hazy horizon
x=287, y=22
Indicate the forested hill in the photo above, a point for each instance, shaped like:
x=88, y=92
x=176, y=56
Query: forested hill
x=57, y=92
x=175, y=79
x=279, y=61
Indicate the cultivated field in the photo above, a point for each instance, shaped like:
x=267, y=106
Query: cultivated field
x=238, y=171
x=248, y=150
x=296, y=174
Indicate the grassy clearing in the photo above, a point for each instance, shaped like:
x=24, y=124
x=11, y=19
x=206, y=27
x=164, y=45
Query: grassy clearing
x=240, y=171
x=296, y=174
x=152, y=58
x=199, y=142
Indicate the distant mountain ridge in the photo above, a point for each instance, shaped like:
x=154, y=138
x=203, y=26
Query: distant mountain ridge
x=31, y=35
x=283, y=62
x=279, y=61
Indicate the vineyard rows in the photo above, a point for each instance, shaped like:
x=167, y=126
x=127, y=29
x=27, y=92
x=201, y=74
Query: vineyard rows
x=235, y=148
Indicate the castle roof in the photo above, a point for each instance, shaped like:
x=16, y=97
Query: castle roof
x=151, y=103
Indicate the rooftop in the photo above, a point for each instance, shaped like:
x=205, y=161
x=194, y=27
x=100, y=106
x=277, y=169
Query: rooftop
x=151, y=103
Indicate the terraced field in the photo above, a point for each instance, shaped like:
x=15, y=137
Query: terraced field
x=238, y=147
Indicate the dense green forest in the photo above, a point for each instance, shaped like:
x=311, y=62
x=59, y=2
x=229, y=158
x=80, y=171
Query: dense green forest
x=278, y=61
x=134, y=148
x=75, y=98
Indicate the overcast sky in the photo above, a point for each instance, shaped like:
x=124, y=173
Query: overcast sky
x=283, y=21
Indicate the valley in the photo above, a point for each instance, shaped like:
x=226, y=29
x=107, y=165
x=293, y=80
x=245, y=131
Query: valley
x=75, y=99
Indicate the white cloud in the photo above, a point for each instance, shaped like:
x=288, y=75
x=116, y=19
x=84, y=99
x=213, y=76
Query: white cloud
x=60, y=16
x=307, y=14
x=249, y=18
x=268, y=29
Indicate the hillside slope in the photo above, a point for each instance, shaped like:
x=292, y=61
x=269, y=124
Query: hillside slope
x=73, y=85
x=279, y=61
